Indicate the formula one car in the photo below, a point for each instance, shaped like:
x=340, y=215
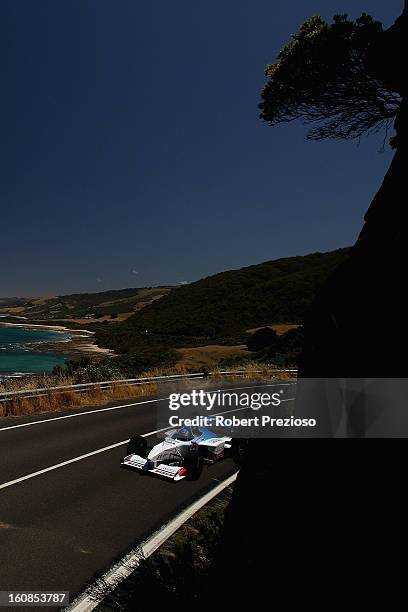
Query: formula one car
x=181, y=454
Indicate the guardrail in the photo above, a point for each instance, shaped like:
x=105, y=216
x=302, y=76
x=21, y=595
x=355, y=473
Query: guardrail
x=105, y=385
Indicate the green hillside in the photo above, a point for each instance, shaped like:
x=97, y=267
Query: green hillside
x=92, y=306
x=223, y=306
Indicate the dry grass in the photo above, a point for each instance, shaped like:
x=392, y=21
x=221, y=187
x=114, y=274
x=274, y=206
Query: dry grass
x=139, y=305
x=209, y=356
x=12, y=310
x=256, y=370
x=121, y=317
x=142, y=293
x=34, y=382
x=43, y=300
x=170, y=371
x=280, y=328
x=54, y=400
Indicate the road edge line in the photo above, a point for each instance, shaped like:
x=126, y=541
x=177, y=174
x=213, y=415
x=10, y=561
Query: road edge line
x=122, y=570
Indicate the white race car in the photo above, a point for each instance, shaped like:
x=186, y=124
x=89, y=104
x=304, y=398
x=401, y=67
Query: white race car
x=181, y=454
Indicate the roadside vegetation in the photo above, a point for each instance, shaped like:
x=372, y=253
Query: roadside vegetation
x=270, y=346
x=179, y=571
x=55, y=400
x=50, y=396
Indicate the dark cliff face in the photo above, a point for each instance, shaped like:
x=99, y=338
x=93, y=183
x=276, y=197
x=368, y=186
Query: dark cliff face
x=299, y=512
x=357, y=324
x=386, y=61
x=355, y=327
x=321, y=503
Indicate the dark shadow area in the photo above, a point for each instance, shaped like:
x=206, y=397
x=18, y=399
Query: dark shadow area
x=315, y=521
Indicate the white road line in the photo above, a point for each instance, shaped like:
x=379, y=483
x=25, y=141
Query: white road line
x=51, y=468
x=59, y=465
x=120, y=571
x=88, y=412
x=77, y=414
x=74, y=460
x=96, y=452
x=81, y=457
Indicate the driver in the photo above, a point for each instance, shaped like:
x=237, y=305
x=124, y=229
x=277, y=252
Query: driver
x=184, y=434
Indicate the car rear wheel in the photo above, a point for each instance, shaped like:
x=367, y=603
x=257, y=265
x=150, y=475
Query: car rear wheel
x=194, y=466
x=238, y=451
x=137, y=445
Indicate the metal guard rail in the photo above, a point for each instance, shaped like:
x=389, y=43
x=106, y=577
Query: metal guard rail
x=103, y=386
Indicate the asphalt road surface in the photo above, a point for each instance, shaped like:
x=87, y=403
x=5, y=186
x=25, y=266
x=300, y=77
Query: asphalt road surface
x=62, y=527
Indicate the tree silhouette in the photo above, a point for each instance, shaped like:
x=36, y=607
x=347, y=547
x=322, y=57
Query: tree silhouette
x=266, y=337
x=323, y=77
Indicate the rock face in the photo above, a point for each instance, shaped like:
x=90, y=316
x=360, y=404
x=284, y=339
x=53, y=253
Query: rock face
x=305, y=516
x=356, y=325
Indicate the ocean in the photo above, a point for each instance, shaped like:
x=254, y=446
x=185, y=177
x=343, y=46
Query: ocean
x=16, y=351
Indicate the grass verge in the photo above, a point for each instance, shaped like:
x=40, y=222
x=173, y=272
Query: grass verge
x=51, y=399
x=178, y=572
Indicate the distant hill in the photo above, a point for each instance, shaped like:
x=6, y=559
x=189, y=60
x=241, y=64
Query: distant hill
x=223, y=306
x=5, y=301
x=84, y=307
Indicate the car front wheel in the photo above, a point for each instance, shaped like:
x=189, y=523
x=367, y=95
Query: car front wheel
x=137, y=445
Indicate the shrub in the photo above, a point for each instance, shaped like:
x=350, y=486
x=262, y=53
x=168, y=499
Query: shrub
x=262, y=338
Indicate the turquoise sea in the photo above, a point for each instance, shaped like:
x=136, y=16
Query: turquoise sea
x=17, y=355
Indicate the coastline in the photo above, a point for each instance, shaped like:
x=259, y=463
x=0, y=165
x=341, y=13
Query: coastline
x=80, y=343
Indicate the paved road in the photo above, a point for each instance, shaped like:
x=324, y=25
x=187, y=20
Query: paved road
x=60, y=528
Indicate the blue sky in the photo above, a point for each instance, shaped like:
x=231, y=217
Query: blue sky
x=132, y=153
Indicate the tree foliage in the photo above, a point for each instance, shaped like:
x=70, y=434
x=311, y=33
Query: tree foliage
x=322, y=77
x=262, y=338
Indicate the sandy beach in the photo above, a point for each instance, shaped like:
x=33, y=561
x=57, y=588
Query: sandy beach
x=80, y=343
